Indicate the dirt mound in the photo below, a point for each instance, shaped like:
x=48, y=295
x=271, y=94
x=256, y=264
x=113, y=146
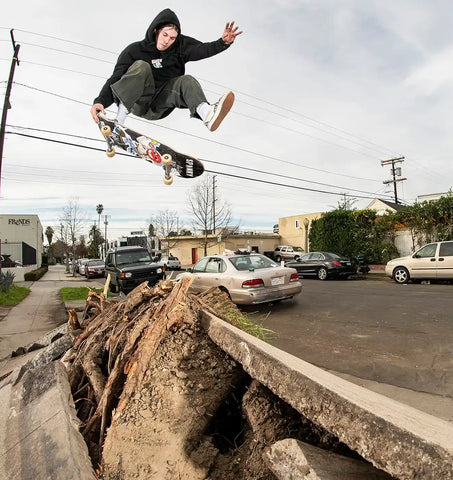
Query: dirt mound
x=158, y=399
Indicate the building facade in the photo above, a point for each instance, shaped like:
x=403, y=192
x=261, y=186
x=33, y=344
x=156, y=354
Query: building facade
x=21, y=237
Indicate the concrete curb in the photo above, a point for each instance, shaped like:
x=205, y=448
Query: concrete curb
x=399, y=439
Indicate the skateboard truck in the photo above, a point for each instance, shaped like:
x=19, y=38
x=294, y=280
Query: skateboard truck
x=167, y=164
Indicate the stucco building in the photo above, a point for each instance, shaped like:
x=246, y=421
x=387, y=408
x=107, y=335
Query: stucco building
x=21, y=237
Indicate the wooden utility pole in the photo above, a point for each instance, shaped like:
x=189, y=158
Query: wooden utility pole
x=396, y=172
x=6, y=103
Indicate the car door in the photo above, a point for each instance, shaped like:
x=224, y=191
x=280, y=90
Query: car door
x=445, y=261
x=208, y=272
x=423, y=263
x=307, y=265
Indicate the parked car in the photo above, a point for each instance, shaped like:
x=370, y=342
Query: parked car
x=95, y=268
x=130, y=266
x=433, y=261
x=246, y=278
x=170, y=262
x=82, y=263
x=323, y=265
x=285, y=252
x=77, y=264
x=8, y=262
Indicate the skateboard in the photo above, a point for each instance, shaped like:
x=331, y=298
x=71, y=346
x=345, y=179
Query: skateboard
x=149, y=149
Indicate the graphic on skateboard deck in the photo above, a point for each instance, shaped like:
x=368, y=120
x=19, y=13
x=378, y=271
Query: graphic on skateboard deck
x=149, y=149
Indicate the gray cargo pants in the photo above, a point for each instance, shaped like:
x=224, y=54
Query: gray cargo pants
x=137, y=92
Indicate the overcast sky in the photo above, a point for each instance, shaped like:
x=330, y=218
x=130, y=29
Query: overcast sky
x=325, y=90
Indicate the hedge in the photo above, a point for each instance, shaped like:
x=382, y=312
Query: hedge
x=35, y=274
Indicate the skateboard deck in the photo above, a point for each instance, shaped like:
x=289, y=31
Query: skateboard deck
x=149, y=149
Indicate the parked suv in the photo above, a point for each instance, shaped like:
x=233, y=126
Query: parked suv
x=131, y=266
x=433, y=261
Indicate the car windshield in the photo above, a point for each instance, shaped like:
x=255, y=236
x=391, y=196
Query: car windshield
x=138, y=256
x=252, y=262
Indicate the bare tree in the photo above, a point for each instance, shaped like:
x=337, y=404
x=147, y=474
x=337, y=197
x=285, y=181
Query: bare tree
x=211, y=215
x=71, y=223
x=166, y=225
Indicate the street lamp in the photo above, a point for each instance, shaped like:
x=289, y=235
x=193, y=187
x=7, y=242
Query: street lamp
x=306, y=223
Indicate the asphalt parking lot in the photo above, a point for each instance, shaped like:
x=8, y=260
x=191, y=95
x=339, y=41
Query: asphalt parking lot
x=399, y=335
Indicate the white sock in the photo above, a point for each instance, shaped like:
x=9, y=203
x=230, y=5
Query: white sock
x=122, y=113
x=203, y=110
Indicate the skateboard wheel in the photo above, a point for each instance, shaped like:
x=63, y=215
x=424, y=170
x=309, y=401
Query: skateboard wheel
x=168, y=181
x=166, y=159
x=106, y=130
x=110, y=153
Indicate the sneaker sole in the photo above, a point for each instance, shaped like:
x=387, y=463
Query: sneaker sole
x=224, y=109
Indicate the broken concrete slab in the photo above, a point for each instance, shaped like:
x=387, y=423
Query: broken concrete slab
x=40, y=438
x=399, y=439
x=291, y=459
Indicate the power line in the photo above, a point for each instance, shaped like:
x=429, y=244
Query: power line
x=205, y=160
x=202, y=159
x=208, y=171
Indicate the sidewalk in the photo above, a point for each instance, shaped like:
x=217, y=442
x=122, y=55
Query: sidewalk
x=41, y=311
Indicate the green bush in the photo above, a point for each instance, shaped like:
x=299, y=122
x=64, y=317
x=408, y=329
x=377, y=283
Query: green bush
x=35, y=274
x=6, y=280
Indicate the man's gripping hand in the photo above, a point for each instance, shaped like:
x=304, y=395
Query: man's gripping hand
x=230, y=33
x=95, y=109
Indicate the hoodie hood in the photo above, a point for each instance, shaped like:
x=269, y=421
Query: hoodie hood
x=165, y=17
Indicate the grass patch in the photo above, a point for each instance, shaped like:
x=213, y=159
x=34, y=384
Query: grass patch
x=69, y=294
x=14, y=295
x=231, y=314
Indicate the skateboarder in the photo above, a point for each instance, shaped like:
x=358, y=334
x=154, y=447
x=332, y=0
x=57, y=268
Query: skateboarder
x=149, y=77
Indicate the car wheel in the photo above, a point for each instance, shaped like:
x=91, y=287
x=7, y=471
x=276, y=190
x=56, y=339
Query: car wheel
x=112, y=287
x=401, y=275
x=322, y=273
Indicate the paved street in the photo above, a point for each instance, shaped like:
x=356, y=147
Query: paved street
x=400, y=335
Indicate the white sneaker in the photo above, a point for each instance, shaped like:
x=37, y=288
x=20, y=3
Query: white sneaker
x=219, y=111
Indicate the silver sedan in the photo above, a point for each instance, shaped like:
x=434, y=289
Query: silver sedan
x=246, y=278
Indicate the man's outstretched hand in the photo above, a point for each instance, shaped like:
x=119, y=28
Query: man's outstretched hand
x=230, y=33
x=95, y=109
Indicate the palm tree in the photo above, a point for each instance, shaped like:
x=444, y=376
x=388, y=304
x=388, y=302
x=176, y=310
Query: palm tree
x=49, y=234
x=99, y=209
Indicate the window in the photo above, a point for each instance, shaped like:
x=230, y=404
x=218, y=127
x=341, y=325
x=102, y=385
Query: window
x=214, y=265
x=427, y=251
x=446, y=249
x=201, y=265
x=297, y=224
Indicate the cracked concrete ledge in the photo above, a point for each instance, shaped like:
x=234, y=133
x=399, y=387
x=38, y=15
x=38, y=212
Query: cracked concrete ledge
x=295, y=460
x=40, y=438
x=399, y=439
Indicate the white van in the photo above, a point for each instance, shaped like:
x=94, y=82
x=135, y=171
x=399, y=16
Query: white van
x=433, y=261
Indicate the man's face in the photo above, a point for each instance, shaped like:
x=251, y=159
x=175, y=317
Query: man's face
x=165, y=37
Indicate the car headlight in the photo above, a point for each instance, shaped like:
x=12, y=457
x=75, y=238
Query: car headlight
x=128, y=275
x=159, y=270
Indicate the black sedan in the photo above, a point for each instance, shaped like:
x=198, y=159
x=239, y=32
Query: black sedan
x=323, y=265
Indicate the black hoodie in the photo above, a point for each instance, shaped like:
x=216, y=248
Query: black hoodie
x=166, y=64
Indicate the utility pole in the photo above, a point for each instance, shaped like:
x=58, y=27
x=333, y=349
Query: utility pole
x=6, y=103
x=395, y=172
x=213, y=204
x=105, y=238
